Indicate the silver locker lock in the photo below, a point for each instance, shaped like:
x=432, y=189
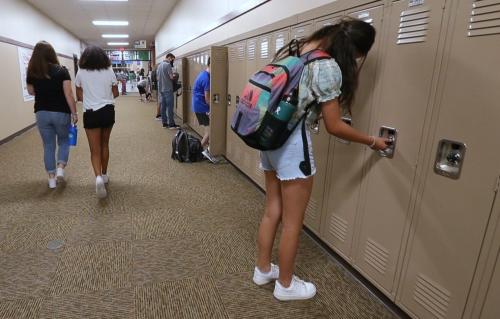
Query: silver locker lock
x=347, y=120
x=314, y=127
x=449, y=158
x=392, y=135
x=216, y=98
x=229, y=99
x=237, y=99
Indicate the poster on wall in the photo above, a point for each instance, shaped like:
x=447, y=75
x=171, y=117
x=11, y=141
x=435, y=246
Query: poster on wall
x=24, y=59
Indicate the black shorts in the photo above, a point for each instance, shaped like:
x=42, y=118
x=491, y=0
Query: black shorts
x=203, y=119
x=142, y=90
x=102, y=118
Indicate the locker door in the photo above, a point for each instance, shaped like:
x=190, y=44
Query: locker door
x=198, y=67
x=329, y=20
x=454, y=209
x=178, y=97
x=491, y=309
x=192, y=76
x=247, y=153
x=320, y=138
x=218, y=101
x=279, y=40
x=346, y=160
x=406, y=81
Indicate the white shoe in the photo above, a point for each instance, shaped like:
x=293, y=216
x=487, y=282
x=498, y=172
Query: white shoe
x=209, y=156
x=60, y=174
x=100, y=188
x=105, y=178
x=52, y=183
x=298, y=290
x=260, y=278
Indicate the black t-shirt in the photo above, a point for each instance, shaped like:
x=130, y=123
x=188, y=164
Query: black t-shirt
x=49, y=93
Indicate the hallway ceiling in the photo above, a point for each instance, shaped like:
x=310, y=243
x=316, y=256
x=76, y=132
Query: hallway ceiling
x=145, y=17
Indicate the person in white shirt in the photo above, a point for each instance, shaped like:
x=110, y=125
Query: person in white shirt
x=96, y=86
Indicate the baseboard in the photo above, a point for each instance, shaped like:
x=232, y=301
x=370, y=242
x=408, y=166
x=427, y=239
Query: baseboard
x=10, y=137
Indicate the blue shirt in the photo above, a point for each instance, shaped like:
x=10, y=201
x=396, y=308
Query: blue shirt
x=201, y=85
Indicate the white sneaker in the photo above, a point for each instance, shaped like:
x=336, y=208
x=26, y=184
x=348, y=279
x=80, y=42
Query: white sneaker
x=60, y=174
x=52, y=183
x=261, y=278
x=100, y=189
x=298, y=290
x=209, y=156
x=105, y=178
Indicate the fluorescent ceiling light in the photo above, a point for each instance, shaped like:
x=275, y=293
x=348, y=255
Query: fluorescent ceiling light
x=121, y=36
x=102, y=22
x=105, y=0
x=118, y=43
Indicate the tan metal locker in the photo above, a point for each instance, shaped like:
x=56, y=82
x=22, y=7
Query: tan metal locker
x=329, y=20
x=235, y=83
x=218, y=101
x=346, y=160
x=491, y=308
x=180, y=109
x=455, y=202
x=279, y=40
x=406, y=81
x=199, y=66
x=192, y=76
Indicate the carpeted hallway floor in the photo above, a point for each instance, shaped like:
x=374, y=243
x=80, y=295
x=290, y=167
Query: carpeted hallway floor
x=171, y=240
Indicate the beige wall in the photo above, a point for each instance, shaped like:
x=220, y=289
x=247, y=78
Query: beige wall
x=191, y=16
x=21, y=22
x=15, y=114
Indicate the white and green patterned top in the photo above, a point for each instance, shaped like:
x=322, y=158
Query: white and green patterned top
x=320, y=81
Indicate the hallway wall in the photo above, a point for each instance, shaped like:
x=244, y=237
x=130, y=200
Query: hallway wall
x=202, y=14
x=21, y=24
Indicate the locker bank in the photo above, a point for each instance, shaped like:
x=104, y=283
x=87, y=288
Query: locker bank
x=412, y=231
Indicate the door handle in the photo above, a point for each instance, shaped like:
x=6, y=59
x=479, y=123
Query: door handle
x=216, y=98
x=392, y=135
x=229, y=99
x=450, y=158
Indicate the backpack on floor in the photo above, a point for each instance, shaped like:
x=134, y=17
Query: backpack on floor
x=186, y=147
x=255, y=120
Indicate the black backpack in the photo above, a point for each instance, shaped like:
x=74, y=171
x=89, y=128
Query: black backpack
x=176, y=84
x=186, y=147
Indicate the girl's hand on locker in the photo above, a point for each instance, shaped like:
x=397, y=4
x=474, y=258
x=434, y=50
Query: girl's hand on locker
x=380, y=143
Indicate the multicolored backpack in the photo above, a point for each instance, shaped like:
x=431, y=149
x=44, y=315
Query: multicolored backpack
x=256, y=120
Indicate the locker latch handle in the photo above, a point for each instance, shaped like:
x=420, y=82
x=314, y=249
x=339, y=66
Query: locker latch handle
x=237, y=99
x=449, y=158
x=216, y=98
x=392, y=135
x=229, y=99
x=314, y=127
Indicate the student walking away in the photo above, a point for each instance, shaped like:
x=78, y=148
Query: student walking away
x=55, y=107
x=96, y=86
x=165, y=76
x=329, y=85
x=141, y=86
x=201, y=106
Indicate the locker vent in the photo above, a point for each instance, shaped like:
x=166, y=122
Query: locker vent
x=241, y=52
x=365, y=16
x=233, y=53
x=432, y=296
x=311, y=210
x=376, y=256
x=251, y=50
x=484, y=18
x=264, y=49
x=280, y=42
x=300, y=32
x=338, y=227
x=413, y=25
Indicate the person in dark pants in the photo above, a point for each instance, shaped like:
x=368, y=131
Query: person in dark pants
x=50, y=83
x=96, y=86
x=165, y=75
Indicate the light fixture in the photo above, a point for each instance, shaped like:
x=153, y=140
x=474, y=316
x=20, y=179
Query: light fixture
x=118, y=43
x=104, y=0
x=109, y=22
x=116, y=36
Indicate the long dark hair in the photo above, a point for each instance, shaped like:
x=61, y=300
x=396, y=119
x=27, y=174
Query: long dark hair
x=43, y=56
x=94, y=58
x=345, y=41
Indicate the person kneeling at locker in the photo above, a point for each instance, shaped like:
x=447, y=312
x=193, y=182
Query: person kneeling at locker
x=201, y=106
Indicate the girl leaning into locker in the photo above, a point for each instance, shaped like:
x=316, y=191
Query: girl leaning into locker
x=96, y=86
x=289, y=170
x=50, y=83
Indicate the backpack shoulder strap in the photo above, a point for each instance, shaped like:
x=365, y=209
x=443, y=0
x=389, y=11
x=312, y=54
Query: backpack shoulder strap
x=315, y=55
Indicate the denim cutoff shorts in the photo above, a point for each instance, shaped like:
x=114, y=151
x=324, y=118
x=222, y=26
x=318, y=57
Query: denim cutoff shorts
x=294, y=159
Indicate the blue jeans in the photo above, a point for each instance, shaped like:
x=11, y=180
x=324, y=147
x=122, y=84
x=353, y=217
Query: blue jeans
x=52, y=125
x=167, y=108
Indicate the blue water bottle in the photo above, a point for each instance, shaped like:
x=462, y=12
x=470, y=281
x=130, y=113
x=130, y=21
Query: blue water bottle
x=73, y=135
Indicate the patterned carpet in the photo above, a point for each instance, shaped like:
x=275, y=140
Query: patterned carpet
x=171, y=240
